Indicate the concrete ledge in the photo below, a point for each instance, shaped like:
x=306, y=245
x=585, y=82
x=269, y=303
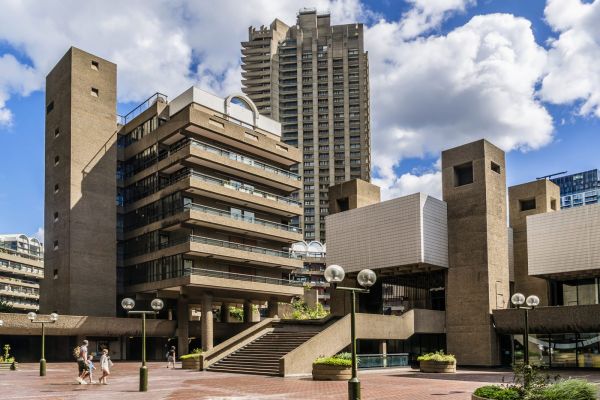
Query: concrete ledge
x=321, y=372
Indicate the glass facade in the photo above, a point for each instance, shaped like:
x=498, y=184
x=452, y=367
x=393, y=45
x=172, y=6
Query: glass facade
x=578, y=189
x=575, y=292
x=561, y=350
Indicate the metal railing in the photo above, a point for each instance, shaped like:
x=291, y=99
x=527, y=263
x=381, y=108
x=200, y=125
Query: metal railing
x=238, y=217
x=24, y=253
x=240, y=277
x=239, y=246
x=389, y=360
x=140, y=108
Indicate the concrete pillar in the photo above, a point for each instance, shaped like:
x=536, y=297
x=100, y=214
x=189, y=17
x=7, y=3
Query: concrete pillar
x=183, y=324
x=383, y=351
x=207, y=322
x=225, y=312
x=273, y=308
x=247, y=311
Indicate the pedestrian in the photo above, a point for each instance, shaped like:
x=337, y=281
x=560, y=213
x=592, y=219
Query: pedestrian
x=105, y=364
x=91, y=368
x=171, y=357
x=82, y=365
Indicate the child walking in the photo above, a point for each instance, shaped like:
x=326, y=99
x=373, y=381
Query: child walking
x=91, y=368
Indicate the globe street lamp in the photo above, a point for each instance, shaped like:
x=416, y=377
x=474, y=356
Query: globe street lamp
x=157, y=305
x=518, y=299
x=1, y=323
x=335, y=274
x=33, y=318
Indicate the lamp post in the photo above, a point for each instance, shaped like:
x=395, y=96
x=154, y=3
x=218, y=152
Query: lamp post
x=157, y=305
x=532, y=301
x=33, y=318
x=335, y=274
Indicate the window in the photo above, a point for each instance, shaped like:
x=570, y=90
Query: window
x=56, y=132
x=49, y=107
x=55, y=216
x=56, y=160
x=495, y=167
x=95, y=92
x=95, y=66
x=463, y=174
x=55, y=273
x=553, y=204
x=528, y=204
x=343, y=204
x=56, y=188
x=56, y=245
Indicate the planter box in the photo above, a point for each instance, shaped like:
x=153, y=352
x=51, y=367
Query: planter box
x=438, y=366
x=12, y=366
x=191, y=363
x=322, y=372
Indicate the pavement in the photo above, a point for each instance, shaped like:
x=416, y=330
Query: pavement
x=396, y=384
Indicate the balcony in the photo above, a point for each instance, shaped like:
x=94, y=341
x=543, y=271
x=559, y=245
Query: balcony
x=22, y=270
x=221, y=250
x=231, y=284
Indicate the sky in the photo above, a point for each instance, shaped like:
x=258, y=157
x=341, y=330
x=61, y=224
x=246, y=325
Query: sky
x=520, y=73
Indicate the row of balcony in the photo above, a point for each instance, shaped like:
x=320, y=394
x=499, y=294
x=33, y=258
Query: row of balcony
x=21, y=269
x=20, y=304
x=22, y=253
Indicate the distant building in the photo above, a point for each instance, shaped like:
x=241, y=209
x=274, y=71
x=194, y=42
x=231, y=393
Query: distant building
x=21, y=269
x=578, y=189
x=311, y=275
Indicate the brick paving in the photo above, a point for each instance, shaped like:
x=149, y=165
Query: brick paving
x=398, y=384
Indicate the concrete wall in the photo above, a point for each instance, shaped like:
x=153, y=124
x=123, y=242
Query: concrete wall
x=356, y=192
x=565, y=242
x=546, y=195
x=478, y=273
x=404, y=231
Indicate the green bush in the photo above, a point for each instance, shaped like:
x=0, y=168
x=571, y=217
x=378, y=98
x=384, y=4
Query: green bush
x=498, y=393
x=437, y=356
x=340, y=360
x=302, y=311
x=194, y=354
x=570, y=389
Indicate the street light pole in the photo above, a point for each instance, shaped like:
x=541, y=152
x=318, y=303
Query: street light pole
x=532, y=301
x=366, y=278
x=157, y=305
x=53, y=318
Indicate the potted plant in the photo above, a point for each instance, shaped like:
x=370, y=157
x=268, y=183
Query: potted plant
x=192, y=360
x=7, y=361
x=336, y=368
x=437, y=362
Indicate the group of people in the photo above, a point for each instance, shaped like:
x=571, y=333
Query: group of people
x=85, y=363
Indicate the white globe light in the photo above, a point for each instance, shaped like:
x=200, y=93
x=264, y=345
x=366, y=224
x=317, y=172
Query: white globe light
x=54, y=317
x=532, y=301
x=366, y=278
x=517, y=299
x=1, y=323
x=157, y=304
x=31, y=316
x=127, y=303
x=334, y=274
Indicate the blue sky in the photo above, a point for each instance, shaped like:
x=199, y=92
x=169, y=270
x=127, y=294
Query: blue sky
x=546, y=129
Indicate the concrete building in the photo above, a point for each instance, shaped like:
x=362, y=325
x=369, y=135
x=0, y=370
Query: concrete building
x=311, y=275
x=578, y=189
x=199, y=214
x=314, y=78
x=21, y=269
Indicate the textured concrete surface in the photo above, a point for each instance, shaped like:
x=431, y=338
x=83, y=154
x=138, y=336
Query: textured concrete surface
x=396, y=384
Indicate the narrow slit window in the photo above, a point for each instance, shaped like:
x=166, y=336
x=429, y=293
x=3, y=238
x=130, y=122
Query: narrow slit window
x=495, y=167
x=463, y=174
x=56, y=245
x=95, y=92
x=55, y=216
x=527, y=204
x=56, y=188
x=56, y=160
x=95, y=66
x=49, y=107
x=56, y=132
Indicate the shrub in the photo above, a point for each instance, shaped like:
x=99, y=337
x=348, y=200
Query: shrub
x=302, y=311
x=194, y=354
x=498, y=393
x=570, y=389
x=437, y=356
x=340, y=360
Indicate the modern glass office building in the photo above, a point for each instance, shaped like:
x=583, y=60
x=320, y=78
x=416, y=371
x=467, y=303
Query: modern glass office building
x=578, y=189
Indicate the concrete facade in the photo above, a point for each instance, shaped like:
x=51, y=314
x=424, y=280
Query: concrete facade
x=21, y=269
x=474, y=188
x=537, y=197
x=564, y=243
x=404, y=232
x=79, y=221
x=352, y=194
x=314, y=78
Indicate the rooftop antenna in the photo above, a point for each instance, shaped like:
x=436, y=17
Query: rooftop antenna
x=551, y=175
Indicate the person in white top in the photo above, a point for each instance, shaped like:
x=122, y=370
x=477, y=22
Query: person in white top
x=82, y=362
x=105, y=364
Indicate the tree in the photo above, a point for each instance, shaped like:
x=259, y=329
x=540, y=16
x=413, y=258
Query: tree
x=6, y=307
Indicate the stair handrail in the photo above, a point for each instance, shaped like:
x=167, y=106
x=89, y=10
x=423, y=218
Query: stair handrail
x=227, y=347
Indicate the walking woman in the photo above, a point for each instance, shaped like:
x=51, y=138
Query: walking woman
x=171, y=357
x=105, y=364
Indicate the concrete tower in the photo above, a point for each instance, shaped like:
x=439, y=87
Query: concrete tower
x=80, y=190
x=474, y=188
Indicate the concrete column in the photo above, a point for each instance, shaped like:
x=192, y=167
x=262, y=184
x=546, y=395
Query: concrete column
x=207, y=322
x=183, y=323
x=383, y=351
x=247, y=311
x=225, y=312
x=273, y=308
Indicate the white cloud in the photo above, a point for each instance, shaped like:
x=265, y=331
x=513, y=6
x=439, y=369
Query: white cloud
x=408, y=183
x=425, y=15
x=573, y=72
x=15, y=78
x=435, y=92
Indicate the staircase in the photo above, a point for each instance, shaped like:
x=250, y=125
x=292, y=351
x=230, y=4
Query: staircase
x=261, y=356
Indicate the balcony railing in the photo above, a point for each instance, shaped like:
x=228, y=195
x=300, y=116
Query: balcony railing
x=382, y=360
x=238, y=217
x=241, y=277
x=23, y=253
